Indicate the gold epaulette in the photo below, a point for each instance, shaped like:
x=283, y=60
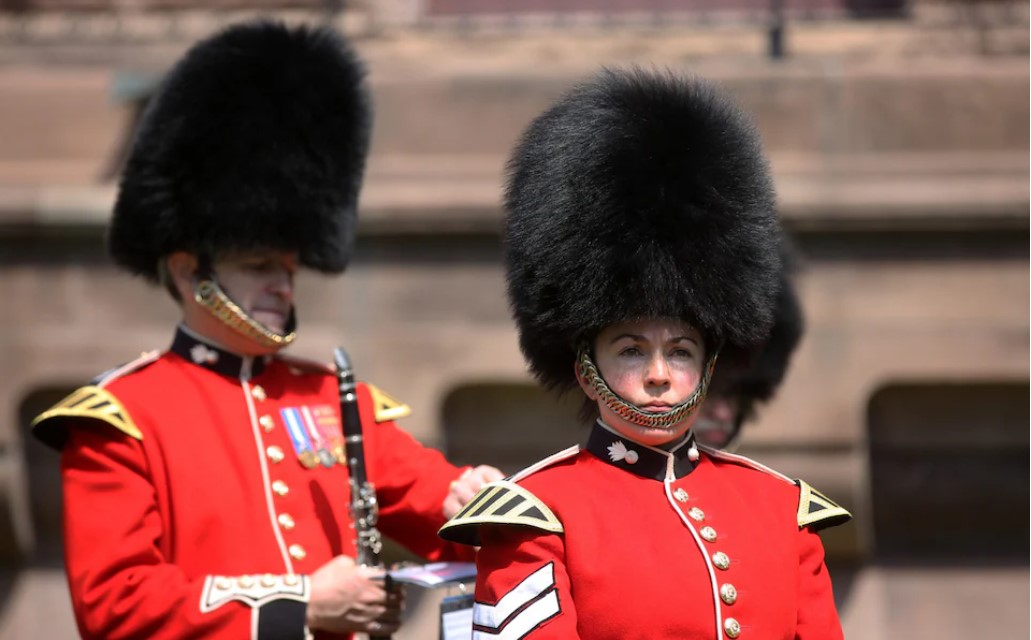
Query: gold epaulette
x=499, y=503
x=85, y=403
x=387, y=408
x=817, y=510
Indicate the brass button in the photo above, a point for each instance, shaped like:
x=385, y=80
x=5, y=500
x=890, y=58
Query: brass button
x=267, y=423
x=245, y=582
x=286, y=521
x=732, y=627
x=708, y=533
x=268, y=580
x=721, y=560
x=279, y=488
x=696, y=514
x=258, y=392
x=223, y=583
x=275, y=454
x=728, y=593
x=297, y=552
x=290, y=580
x=680, y=495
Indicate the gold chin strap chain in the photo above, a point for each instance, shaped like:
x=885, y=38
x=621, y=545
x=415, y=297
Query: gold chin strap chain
x=633, y=414
x=211, y=296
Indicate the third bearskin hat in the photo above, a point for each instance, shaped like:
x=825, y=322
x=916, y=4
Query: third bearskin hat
x=257, y=138
x=754, y=373
x=638, y=194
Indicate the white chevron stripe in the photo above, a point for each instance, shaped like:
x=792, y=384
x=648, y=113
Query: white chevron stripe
x=495, y=616
x=527, y=620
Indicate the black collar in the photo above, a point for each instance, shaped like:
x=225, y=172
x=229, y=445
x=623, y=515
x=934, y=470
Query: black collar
x=202, y=353
x=639, y=459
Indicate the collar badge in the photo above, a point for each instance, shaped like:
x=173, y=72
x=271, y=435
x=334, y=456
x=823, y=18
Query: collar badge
x=203, y=355
x=618, y=451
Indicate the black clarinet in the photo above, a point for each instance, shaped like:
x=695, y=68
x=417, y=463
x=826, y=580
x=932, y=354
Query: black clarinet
x=364, y=508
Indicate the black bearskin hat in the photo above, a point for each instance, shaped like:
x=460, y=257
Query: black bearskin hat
x=638, y=195
x=256, y=139
x=754, y=373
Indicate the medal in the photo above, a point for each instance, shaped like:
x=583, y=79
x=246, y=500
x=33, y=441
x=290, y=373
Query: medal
x=326, y=458
x=308, y=459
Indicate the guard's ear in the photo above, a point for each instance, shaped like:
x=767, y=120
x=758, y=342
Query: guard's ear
x=182, y=267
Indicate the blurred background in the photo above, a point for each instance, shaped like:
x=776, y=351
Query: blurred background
x=899, y=138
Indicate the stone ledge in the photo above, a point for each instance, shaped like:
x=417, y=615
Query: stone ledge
x=462, y=194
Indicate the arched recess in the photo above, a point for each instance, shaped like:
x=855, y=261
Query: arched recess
x=949, y=471
x=44, y=477
x=509, y=425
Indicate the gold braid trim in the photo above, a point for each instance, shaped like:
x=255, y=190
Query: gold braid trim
x=632, y=413
x=211, y=297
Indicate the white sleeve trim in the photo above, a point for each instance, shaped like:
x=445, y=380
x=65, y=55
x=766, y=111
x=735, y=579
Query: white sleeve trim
x=252, y=591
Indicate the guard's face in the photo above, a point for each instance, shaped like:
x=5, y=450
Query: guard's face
x=262, y=283
x=654, y=364
x=717, y=422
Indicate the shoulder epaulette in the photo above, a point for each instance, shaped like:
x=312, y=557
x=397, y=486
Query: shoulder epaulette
x=91, y=402
x=85, y=403
x=817, y=510
x=387, y=407
x=499, y=503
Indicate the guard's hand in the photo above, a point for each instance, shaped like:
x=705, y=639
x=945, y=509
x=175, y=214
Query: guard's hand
x=347, y=598
x=465, y=487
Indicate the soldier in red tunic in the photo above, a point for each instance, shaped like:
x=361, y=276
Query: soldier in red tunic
x=642, y=236
x=749, y=376
x=205, y=487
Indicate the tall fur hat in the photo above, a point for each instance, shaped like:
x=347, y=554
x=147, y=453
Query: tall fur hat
x=754, y=373
x=638, y=195
x=256, y=139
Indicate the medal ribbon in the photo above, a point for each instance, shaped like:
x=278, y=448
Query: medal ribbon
x=298, y=434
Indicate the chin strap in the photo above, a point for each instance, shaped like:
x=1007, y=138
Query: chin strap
x=634, y=414
x=210, y=296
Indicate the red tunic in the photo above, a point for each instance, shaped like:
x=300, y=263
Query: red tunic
x=203, y=522
x=627, y=541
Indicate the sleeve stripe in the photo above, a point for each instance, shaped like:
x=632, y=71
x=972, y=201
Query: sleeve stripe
x=526, y=621
x=531, y=588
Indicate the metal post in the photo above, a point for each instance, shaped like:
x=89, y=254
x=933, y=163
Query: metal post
x=777, y=29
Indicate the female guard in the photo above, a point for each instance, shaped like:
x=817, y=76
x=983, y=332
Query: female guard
x=642, y=236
